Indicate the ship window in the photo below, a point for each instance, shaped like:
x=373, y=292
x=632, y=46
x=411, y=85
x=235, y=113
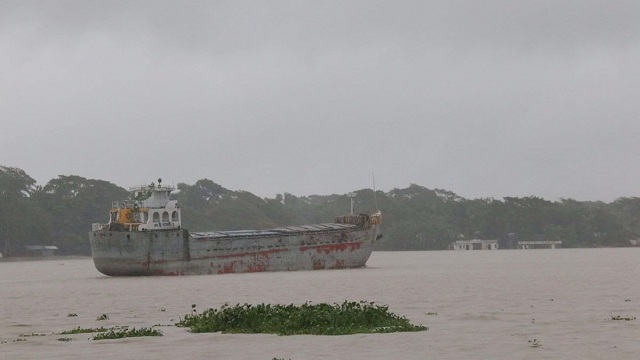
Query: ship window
x=156, y=217
x=174, y=216
x=165, y=216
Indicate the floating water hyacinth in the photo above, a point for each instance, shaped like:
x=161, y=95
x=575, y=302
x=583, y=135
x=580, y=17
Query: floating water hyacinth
x=314, y=319
x=80, y=330
x=126, y=333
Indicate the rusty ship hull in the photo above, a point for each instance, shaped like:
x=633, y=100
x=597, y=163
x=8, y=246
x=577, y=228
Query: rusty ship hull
x=178, y=252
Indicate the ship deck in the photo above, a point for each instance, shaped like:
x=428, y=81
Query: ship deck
x=281, y=231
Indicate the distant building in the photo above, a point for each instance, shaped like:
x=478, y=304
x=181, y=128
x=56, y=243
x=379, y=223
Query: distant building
x=549, y=244
x=41, y=250
x=475, y=244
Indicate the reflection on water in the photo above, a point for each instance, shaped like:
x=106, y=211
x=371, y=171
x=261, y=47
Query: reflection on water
x=507, y=304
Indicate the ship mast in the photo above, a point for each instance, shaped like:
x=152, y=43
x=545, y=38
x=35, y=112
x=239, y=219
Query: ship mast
x=351, y=195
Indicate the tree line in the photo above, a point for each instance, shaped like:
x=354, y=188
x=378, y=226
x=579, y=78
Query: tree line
x=61, y=212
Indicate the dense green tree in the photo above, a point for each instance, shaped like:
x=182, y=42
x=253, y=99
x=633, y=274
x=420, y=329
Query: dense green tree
x=626, y=210
x=21, y=222
x=196, y=200
x=15, y=183
x=73, y=203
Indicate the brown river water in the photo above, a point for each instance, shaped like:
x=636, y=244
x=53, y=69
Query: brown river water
x=506, y=304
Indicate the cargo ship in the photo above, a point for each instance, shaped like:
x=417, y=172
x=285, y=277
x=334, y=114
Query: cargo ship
x=144, y=236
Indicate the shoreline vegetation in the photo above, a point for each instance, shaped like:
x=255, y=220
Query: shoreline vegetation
x=60, y=213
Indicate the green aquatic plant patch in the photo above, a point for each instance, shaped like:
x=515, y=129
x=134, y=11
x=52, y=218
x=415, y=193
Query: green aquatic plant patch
x=313, y=319
x=126, y=333
x=80, y=330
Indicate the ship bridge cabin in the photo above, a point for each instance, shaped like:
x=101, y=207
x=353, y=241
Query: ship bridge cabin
x=150, y=209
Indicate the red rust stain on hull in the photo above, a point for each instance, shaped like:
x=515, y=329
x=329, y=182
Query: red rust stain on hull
x=256, y=268
x=265, y=253
x=227, y=267
x=329, y=248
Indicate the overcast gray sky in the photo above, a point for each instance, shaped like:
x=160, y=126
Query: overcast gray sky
x=483, y=98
